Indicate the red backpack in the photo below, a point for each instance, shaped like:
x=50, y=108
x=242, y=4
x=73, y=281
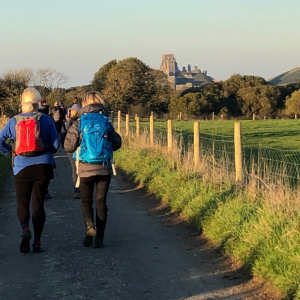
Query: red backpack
x=28, y=136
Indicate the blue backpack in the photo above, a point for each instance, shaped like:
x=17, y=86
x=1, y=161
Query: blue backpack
x=94, y=145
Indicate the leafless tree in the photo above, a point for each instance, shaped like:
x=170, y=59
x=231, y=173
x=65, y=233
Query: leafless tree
x=47, y=79
x=13, y=83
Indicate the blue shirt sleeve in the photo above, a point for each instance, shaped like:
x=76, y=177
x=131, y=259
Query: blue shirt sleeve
x=49, y=134
x=8, y=132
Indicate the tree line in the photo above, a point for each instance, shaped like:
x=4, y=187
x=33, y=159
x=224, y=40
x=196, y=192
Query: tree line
x=131, y=86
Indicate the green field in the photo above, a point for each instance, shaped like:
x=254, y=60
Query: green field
x=282, y=134
x=273, y=146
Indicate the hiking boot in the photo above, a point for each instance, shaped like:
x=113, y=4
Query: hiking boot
x=25, y=246
x=88, y=240
x=98, y=242
x=37, y=248
x=76, y=196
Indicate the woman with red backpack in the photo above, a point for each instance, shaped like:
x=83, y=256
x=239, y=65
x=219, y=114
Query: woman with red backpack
x=35, y=141
x=95, y=138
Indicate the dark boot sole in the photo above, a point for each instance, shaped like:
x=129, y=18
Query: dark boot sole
x=98, y=242
x=88, y=241
x=25, y=243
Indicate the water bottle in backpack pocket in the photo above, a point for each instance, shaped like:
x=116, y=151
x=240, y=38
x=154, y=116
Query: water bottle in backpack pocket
x=94, y=145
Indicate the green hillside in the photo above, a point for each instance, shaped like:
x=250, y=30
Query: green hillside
x=292, y=76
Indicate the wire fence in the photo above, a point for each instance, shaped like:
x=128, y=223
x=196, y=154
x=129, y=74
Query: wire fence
x=261, y=163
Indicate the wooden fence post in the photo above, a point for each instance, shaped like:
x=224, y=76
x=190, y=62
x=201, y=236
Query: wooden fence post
x=238, y=151
x=137, y=120
x=119, y=121
x=180, y=116
x=196, y=143
x=151, y=130
x=170, y=138
x=296, y=116
x=213, y=116
x=112, y=117
x=253, y=117
x=127, y=125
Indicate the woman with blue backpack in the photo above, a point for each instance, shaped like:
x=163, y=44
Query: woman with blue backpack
x=35, y=141
x=93, y=139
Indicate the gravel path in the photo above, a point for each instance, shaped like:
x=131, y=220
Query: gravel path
x=149, y=253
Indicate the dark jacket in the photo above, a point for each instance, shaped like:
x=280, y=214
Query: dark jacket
x=61, y=114
x=72, y=142
x=44, y=109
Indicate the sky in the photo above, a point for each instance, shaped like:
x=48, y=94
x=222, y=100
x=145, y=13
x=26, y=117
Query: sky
x=224, y=37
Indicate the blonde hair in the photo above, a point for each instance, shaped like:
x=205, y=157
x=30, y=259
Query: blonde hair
x=30, y=97
x=93, y=97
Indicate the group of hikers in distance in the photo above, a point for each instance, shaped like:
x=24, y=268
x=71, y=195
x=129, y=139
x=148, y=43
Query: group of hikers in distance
x=35, y=135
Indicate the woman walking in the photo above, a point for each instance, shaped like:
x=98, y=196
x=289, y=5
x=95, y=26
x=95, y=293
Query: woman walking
x=35, y=141
x=72, y=117
x=96, y=137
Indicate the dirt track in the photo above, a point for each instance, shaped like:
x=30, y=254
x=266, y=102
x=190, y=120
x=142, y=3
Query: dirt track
x=148, y=253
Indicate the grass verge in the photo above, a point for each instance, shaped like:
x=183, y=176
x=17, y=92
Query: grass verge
x=258, y=229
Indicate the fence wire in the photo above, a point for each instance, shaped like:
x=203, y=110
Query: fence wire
x=262, y=163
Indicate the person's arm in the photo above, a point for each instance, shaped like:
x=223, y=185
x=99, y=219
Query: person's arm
x=54, y=140
x=72, y=138
x=49, y=134
x=7, y=132
x=114, y=138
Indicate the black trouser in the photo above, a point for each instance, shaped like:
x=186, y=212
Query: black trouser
x=58, y=126
x=86, y=191
x=24, y=190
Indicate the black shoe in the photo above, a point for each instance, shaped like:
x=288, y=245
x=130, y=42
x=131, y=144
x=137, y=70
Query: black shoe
x=36, y=248
x=25, y=242
x=88, y=240
x=98, y=242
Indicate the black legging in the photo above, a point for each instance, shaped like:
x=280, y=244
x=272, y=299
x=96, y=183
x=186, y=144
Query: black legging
x=86, y=192
x=24, y=190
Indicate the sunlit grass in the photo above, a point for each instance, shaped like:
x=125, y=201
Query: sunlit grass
x=256, y=224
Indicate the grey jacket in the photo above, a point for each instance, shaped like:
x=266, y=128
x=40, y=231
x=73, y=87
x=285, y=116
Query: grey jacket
x=72, y=142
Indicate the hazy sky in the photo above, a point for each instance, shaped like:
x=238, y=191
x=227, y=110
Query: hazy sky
x=253, y=37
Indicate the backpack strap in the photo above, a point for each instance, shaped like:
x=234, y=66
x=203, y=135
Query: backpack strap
x=37, y=116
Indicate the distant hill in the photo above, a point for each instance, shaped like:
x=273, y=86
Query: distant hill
x=292, y=76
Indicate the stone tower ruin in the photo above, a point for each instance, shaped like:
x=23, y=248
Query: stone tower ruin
x=169, y=64
x=169, y=67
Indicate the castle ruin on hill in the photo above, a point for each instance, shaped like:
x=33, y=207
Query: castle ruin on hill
x=187, y=77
